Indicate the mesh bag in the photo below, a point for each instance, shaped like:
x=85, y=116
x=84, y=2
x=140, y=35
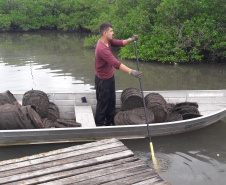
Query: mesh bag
x=160, y=113
x=190, y=116
x=4, y=99
x=19, y=117
x=48, y=123
x=133, y=117
x=7, y=97
x=38, y=99
x=118, y=119
x=157, y=104
x=131, y=98
x=68, y=122
x=154, y=99
x=174, y=116
x=170, y=107
x=186, y=104
x=53, y=112
x=188, y=110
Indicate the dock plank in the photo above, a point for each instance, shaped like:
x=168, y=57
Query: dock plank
x=59, y=151
x=154, y=181
x=94, y=161
x=63, y=174
x=114, y=176
x=102, y=162
x=136, y=178
x=75, y=160
x=57, y=157
x=98, y=176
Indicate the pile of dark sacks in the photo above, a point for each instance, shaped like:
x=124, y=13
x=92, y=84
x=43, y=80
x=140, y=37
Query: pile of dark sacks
x=35, y=112
x=158, y=110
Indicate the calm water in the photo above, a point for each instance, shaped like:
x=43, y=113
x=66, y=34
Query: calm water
x=58, y=62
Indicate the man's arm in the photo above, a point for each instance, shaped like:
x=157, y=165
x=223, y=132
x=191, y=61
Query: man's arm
x=132, y=39
x=125, y=42
x=126, y=69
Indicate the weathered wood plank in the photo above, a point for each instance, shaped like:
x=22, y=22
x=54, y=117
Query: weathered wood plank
x=73, y=159
x=154, y=181
x=59, y=156
x=161, y=183
x=60, y=151
x=103, y=175
x=68, y=166
x=63, y=174
x=95, y=151
x=134, y=179
x=130, y=173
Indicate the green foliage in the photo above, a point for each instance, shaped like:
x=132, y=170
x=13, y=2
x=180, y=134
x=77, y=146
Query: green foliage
x=183, y=31
x=91, y=40
x=169, y=31
x=5, y=22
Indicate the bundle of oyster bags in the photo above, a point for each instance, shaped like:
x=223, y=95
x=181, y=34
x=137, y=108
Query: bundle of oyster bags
x=35, y=112
x=158, y=110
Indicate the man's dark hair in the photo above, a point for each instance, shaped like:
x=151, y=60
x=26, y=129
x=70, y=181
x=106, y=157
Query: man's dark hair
x=104, y=27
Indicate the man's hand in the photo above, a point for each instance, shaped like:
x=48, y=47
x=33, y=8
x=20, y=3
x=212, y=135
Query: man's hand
x=135, y=73
x=133, y=38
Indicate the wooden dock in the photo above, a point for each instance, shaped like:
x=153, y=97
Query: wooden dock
x=101, y=162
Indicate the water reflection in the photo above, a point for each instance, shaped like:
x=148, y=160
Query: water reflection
x=180, y=77
x=20, y=79
x=62, y=56
x=50, y=62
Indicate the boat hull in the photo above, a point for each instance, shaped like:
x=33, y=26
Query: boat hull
x=81, y=134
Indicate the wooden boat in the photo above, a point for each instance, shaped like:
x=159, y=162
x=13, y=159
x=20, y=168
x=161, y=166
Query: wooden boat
x=212, y=106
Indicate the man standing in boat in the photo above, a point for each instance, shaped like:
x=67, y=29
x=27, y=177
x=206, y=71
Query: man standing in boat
x=104, y=78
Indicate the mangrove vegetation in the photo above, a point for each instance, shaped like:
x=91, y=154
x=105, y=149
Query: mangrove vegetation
x=177, y=31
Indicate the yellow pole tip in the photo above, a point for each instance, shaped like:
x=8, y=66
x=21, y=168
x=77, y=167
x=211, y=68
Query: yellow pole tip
x=154, y=160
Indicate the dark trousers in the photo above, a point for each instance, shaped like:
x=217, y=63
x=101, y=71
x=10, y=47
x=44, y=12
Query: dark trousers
x=105, y=95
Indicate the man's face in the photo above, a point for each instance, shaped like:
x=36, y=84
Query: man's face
x=109, y=34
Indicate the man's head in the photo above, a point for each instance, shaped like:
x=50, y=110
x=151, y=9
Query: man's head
x=106, y=31
x=104, y=27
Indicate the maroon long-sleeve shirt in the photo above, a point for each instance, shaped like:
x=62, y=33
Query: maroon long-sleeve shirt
x=105, y=60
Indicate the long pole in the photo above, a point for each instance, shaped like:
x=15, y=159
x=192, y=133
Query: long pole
x=145, y=109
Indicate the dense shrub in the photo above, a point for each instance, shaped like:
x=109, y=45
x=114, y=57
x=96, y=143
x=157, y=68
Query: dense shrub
x=169, y=31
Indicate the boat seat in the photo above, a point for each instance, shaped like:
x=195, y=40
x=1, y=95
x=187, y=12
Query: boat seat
x=84, y=114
